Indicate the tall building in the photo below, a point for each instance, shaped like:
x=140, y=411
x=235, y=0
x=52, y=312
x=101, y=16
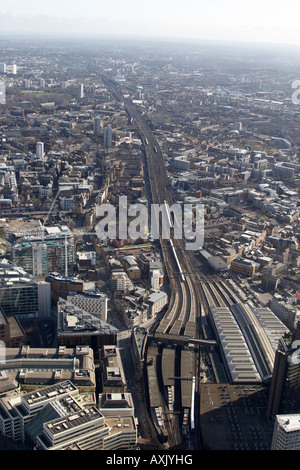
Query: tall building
x=284, y=395
x=20, y=294
x=49, y=249
x=40, y=152
x=286, y=434
x=2, y=67
x=107, y=137
x=97, y=126
x=80, y=91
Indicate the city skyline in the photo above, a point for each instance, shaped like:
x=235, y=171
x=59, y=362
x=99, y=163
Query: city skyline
x=261, y=22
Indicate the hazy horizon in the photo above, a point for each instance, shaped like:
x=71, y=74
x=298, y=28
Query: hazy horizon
x=261, y=22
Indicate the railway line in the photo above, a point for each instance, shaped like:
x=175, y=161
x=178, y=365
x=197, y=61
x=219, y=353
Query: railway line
x=171, y=400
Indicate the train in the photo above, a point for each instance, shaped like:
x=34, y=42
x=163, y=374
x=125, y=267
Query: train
x=182, y=276
x=193, y=405
x=168, y=214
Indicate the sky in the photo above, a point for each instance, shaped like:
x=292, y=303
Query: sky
x=260, y=21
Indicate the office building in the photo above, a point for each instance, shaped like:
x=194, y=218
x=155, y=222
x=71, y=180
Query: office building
x=284, y=395
x=20, y=294
x=58, y=417
x=112, y=373
x=50, y=249
x=92, y=302
x=78, y=327
x=286, y=434
x=29, y=368
x=2, y=67
x=243, y=266
x=113, y=405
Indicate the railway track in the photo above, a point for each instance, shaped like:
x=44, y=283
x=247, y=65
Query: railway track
x=181, y=317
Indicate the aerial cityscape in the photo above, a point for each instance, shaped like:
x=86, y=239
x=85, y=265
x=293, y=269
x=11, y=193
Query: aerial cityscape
x=149, y=245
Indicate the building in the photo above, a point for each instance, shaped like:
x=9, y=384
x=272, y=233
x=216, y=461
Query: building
x=40, y=151
x=286, y=434
x=155, y=302
x=243, y=266
x=20, y=294
x=58, y=417
x=131, y=267
x=107, y=137
x=48, y=249
x=284, y=311
x=78, y=327
x=112, y=373
x=97, y=126
x=62, y=286
x=80, y=91
x=120, y=281
x=284, y=396
x=113, y=405
x=92, y=302
x=181, y=163
x=30, y=368
x=11, y=331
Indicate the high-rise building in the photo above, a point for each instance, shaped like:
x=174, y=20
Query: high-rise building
x=284, y=395
x=97, y=126
x=286, y=434
x=51, y=249
x=80, y=91
x=107, y=137
x=20, y=294
x=2, y=67
x=40, y=152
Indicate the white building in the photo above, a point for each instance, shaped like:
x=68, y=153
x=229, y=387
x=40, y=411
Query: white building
x=286, y=434
x=56, y=418
x=81, y=91
x=92, y=302
x=156, y=301
x=40, y=152
x=181, y=163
